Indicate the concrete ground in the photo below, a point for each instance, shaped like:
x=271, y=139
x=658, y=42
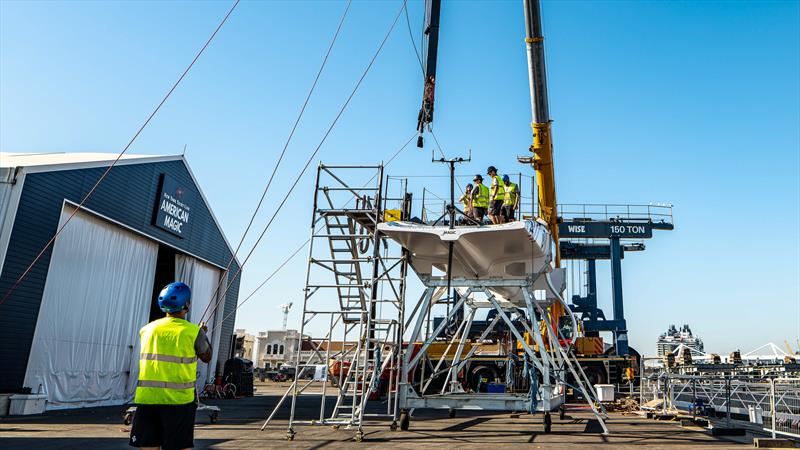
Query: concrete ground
x=240, y=420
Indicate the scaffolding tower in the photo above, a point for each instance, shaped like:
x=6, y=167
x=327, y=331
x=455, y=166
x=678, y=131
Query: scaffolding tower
x=354, y=291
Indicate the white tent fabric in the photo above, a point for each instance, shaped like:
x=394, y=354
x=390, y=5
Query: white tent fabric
x=202, y=279
x=96, y=298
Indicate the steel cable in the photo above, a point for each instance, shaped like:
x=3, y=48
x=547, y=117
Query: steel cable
x=308, y=162
x=302, y=246
x=280, y=158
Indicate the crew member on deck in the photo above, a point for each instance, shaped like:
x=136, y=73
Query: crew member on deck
x=496, y=196
x=480, y=199
x=466, y=201
x=511, y=199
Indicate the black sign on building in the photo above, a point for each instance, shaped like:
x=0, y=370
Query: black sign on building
x=173, y=207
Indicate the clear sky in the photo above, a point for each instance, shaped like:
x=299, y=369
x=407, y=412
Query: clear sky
x=691, y=103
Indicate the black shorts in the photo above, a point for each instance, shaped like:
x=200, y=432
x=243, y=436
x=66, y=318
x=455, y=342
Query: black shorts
x=497, y=208
x=508, y=213
x=478, y=212
x=166, y=426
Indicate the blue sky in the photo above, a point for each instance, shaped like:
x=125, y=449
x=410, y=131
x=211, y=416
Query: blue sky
x=691, y=103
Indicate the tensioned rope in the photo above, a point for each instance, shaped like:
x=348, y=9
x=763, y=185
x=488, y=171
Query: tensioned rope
x=114, y=163
x=303, y=245
x=307, y=164
x=280, y=158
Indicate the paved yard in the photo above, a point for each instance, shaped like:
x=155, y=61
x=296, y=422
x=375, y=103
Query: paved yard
x=239, y=423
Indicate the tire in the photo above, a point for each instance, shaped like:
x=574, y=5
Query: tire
x=127, y=418
x=404, y=421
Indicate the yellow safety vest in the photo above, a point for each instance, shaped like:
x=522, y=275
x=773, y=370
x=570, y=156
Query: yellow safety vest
x=497, y=180
x=480, y=196
x=510, y=199
x=465, y=201
x=167, y=362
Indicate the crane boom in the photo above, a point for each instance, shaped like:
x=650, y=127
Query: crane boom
x=431, y=50
x=542, y=147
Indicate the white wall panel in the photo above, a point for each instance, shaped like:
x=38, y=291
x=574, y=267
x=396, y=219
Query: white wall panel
x=96, y=298
x=202, y=279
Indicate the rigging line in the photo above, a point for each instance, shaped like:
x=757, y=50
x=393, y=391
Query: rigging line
x=280, y=158
x=114, y=163
x=413, y=42
x=286, y=261
x=313, y=154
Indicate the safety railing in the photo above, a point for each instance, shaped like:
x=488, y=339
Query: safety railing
x=773, y=404
x=784, y=410
x=654, y=212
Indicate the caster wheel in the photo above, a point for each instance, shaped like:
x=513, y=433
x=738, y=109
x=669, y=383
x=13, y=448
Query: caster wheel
x=334, y=427
x=127, y=419
x=452, y=413
x=404, y=421
x=290, y=435
x=548, y=422
x=393, y=426
x=562, y=413
x=359, y=436
x=214, y=416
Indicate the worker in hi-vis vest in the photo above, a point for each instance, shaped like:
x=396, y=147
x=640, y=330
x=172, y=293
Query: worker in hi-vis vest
x=496, y=196
x=165, y=396
x=511, y=200
x=480, y=198
x=466, y=201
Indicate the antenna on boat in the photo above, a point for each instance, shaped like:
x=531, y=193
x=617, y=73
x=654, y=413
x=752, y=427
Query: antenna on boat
x=451, y=212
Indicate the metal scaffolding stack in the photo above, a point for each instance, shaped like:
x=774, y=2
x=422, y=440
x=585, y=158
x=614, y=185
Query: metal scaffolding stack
x=353, y=296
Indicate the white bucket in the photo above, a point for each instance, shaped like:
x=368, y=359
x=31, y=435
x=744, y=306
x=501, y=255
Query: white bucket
x=605, y=392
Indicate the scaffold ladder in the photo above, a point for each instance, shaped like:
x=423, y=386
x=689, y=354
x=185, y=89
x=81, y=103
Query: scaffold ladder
x=355, y=286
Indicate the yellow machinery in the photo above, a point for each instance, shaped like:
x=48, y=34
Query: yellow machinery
x=542, y=147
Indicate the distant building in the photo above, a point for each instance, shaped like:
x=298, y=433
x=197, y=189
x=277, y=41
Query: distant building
x=668, y=342
x=243, y=345
x=314, y=351
x=276, y=348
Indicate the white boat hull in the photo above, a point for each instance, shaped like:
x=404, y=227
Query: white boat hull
x=513, y=251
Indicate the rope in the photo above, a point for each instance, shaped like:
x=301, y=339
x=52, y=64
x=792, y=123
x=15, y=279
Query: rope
x=413, y=42
x=114, y=163
x=311, y=158
x=280, y=158
x=303, y=245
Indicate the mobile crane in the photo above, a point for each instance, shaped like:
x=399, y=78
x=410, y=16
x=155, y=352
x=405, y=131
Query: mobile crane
x=605, y=365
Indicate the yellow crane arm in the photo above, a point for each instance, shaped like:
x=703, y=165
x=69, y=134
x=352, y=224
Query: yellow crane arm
x=542, y=147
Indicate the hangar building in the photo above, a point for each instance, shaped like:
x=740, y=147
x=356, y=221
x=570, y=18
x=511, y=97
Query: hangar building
x=70, y=328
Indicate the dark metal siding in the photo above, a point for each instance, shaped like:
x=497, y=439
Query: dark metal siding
x=127, y=195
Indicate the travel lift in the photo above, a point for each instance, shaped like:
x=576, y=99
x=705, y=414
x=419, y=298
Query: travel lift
x=611, y=231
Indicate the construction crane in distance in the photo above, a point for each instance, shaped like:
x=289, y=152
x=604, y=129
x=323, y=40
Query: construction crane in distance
x=285, y=310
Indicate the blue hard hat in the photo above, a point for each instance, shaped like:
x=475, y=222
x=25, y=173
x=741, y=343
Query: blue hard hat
x=174, y=297
x=505, y=178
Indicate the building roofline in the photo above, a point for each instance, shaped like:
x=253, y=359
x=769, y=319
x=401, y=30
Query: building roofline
x=131, y=159
x=90, y=164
